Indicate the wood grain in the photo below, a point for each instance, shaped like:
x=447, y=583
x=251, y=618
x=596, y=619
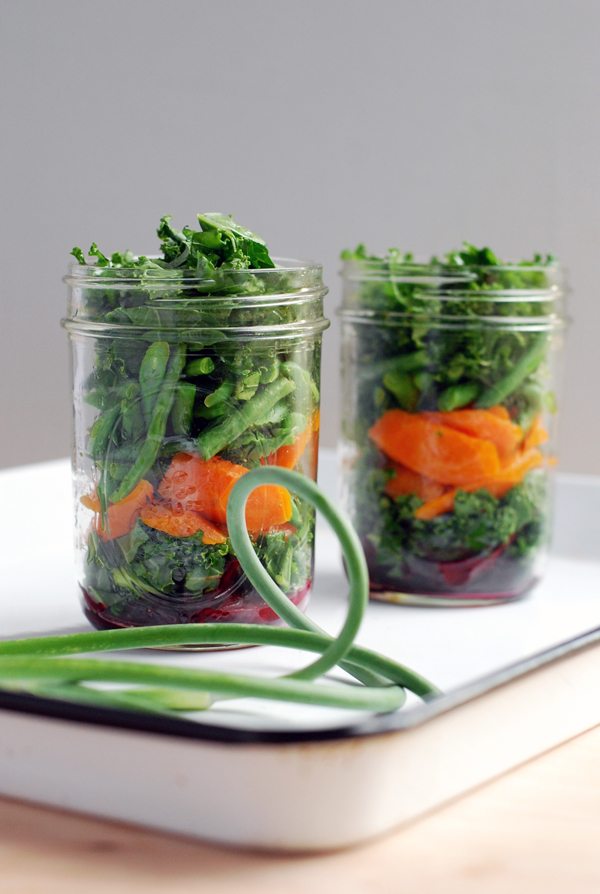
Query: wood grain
x=536, y=829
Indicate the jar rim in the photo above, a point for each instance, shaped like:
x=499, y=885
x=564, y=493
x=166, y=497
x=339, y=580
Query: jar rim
x=389, y=319
x=437, y=274
x=92, y=274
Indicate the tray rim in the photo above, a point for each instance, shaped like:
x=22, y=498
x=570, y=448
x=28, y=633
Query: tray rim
x=372, y=726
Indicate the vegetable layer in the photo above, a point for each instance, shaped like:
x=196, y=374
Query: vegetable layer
x=447, y=418
x=184, y=406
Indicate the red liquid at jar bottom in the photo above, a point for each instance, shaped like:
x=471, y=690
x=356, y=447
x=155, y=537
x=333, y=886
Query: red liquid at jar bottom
x=234, y=600
x=478, y=580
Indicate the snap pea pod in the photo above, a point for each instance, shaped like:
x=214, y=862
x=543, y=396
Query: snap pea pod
x=156, y=430
x=212, y=441
x=528, y=363
x=183, y=409
x=152, y=374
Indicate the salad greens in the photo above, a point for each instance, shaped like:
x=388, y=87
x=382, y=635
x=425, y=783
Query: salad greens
x=193, y=376
x=460, y=343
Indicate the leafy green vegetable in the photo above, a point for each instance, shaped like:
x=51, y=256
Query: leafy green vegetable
x=430, y=346
x=174, y=375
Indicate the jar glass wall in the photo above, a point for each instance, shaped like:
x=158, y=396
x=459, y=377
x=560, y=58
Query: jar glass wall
x=450, y=398
x=181, y=385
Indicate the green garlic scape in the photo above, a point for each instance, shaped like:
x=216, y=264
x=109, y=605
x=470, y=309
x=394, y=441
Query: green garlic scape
x=41, y=666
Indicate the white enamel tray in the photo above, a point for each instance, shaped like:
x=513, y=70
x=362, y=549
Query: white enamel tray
x=518, y=679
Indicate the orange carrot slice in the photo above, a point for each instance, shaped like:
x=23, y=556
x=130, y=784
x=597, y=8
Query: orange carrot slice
x=122, y=516
x=204, y=487
x=504, y=434
x=436, y=451
x=536, y=435
x=177, y=521
x=405, y=481
x=433, y=508
x=510, y=475
x=289, y=455
x=499, y=411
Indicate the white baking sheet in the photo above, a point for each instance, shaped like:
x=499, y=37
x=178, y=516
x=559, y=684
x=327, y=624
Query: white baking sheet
x=453, y=647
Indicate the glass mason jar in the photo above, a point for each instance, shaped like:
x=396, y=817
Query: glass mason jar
x=181, y=384
x=450, y=380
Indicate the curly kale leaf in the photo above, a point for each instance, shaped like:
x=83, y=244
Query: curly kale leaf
x=219, y=243
x=150, y=561
x=479, y=524
x=286, y=557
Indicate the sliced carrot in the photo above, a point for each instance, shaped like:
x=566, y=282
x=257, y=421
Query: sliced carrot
x=91, y=501
x=503, y=433
x=177, y=521
x=536, y=435
x=436, y=451
x=120, y=517
x=512, y=473
x=499, y=411
x=433, y=508
x=204, y=487
x=288, y=455
x=509, y=476
x=405, y=481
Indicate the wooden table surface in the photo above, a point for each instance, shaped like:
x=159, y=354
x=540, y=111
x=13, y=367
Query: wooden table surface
x=536, y=829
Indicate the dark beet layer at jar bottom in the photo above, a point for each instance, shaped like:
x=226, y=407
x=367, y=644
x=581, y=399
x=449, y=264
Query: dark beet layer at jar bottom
x=489, y=577
x=240, y=603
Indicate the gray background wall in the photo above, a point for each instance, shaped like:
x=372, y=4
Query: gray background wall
x=319, y=124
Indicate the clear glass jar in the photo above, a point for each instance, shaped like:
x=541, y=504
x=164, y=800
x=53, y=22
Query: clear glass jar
x=180, y=385
x=450, y=395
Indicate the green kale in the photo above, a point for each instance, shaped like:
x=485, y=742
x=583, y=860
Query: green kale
x=219, y=243
x=459, y=361
x=479, y=524
x=150, y=561
x=287, y=557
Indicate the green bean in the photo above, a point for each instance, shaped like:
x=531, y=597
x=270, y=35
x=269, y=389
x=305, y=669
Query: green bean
x=528, y=363
x=269, y=373
x=403, y=363
x=152, y=374
x=457, y=396
x=293, y=425
x=220, y=395
x=133, y=418
x=403, y=388
x=200, y=367
x=101, y=431
x=183, y=409
x=157, y=428
x=210, y=412
x=305, y=386
x=212, y=441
